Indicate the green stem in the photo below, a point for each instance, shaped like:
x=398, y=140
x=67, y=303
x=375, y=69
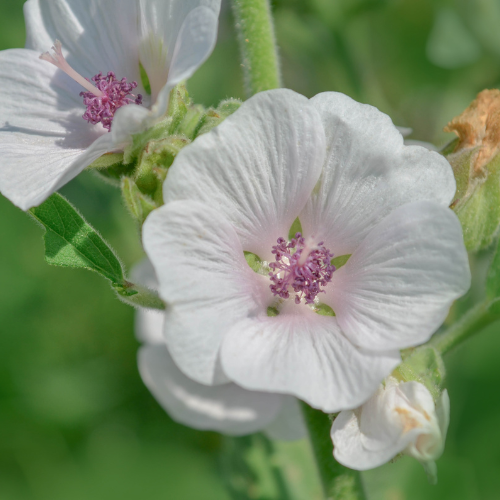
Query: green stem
x=259, y=55
x=471, y=323
x=339, y=482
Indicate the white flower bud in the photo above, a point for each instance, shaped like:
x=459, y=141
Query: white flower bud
x=401, y=417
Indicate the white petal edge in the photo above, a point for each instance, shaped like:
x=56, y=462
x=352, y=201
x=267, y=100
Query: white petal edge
x=205, y=281
x=225, y=408
x=397, y=287
x=304, y=355
x=257, y=168
x=368, y=173
x=96, y=35
x=289, y=425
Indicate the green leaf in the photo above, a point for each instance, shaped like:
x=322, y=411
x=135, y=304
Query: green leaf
x=71, y=242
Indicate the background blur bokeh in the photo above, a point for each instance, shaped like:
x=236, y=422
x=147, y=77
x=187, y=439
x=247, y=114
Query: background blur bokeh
x=76, y=421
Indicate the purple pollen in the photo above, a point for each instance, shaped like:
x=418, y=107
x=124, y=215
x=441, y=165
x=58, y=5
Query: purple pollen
x=116, y=93
x=302, y=266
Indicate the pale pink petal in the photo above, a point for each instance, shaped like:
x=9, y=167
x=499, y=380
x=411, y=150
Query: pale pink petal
x=368, y=173
x=397, y=287
x=257, y=168
x=205, y=281
x=305, y=355
x=44, y=142
x=95, y=35
x=225, y=408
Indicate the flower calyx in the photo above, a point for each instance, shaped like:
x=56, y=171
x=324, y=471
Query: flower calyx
x=475, y=159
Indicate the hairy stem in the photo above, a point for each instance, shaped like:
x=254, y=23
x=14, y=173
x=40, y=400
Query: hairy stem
x=339, y=482
x=257, y=42
x=473, y=321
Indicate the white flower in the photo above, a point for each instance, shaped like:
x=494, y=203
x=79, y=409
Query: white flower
x=342, y=168
x=44, y=141
x=398, y=418
x=224, y=408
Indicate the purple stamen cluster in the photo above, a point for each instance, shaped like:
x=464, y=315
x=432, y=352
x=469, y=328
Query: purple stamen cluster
x=116, y=93
x=301, y=267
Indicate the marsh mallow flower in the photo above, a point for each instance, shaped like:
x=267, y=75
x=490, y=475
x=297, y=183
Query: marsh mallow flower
x=225, y=408
x=401, y=417
x=49, y=131
x=342, y=170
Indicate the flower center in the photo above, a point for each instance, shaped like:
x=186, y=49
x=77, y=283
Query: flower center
x=301, y=265
x=102, y=99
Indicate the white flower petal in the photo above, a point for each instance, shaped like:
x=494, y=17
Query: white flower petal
x=289, y=425
x=400, y=417
x=95, y=35
x=205, y=281
x=196, y=42
x=257, y=168
x=367, y=174
x=44, y=142
x=397, y=287
x=305, y=355
x=225, y=408
x=348, y=445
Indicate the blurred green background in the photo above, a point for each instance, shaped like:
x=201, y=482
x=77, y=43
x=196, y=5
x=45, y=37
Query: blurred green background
x=76, y=421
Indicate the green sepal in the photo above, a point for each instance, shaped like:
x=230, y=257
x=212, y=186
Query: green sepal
x=139, y=204
x=477, y=199
x=216, y=116
x=154, y=162
x=425, y=365
x=340, y=261
x=324, y=310
x=71, y=242
x=107, y=160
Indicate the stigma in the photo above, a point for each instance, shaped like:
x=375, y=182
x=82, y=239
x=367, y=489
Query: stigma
x=302, y=266
x=102, y=99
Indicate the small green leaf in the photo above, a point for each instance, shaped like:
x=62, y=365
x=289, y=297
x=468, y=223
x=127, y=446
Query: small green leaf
x=339, y=261
x=71, y=242
x=324, y=310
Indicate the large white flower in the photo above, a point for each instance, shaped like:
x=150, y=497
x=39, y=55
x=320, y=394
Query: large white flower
x=341, y=167
x=398, y=418
x=44, y=141
x=226, y=408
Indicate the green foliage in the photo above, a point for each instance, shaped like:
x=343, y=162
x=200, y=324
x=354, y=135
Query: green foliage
x=71, y=242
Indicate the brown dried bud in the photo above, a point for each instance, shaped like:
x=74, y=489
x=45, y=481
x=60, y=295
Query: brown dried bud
x=479, y=127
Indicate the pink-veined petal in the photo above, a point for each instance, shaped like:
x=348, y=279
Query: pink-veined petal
x=205, y=281
x=397, y=287
x=257, y=168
